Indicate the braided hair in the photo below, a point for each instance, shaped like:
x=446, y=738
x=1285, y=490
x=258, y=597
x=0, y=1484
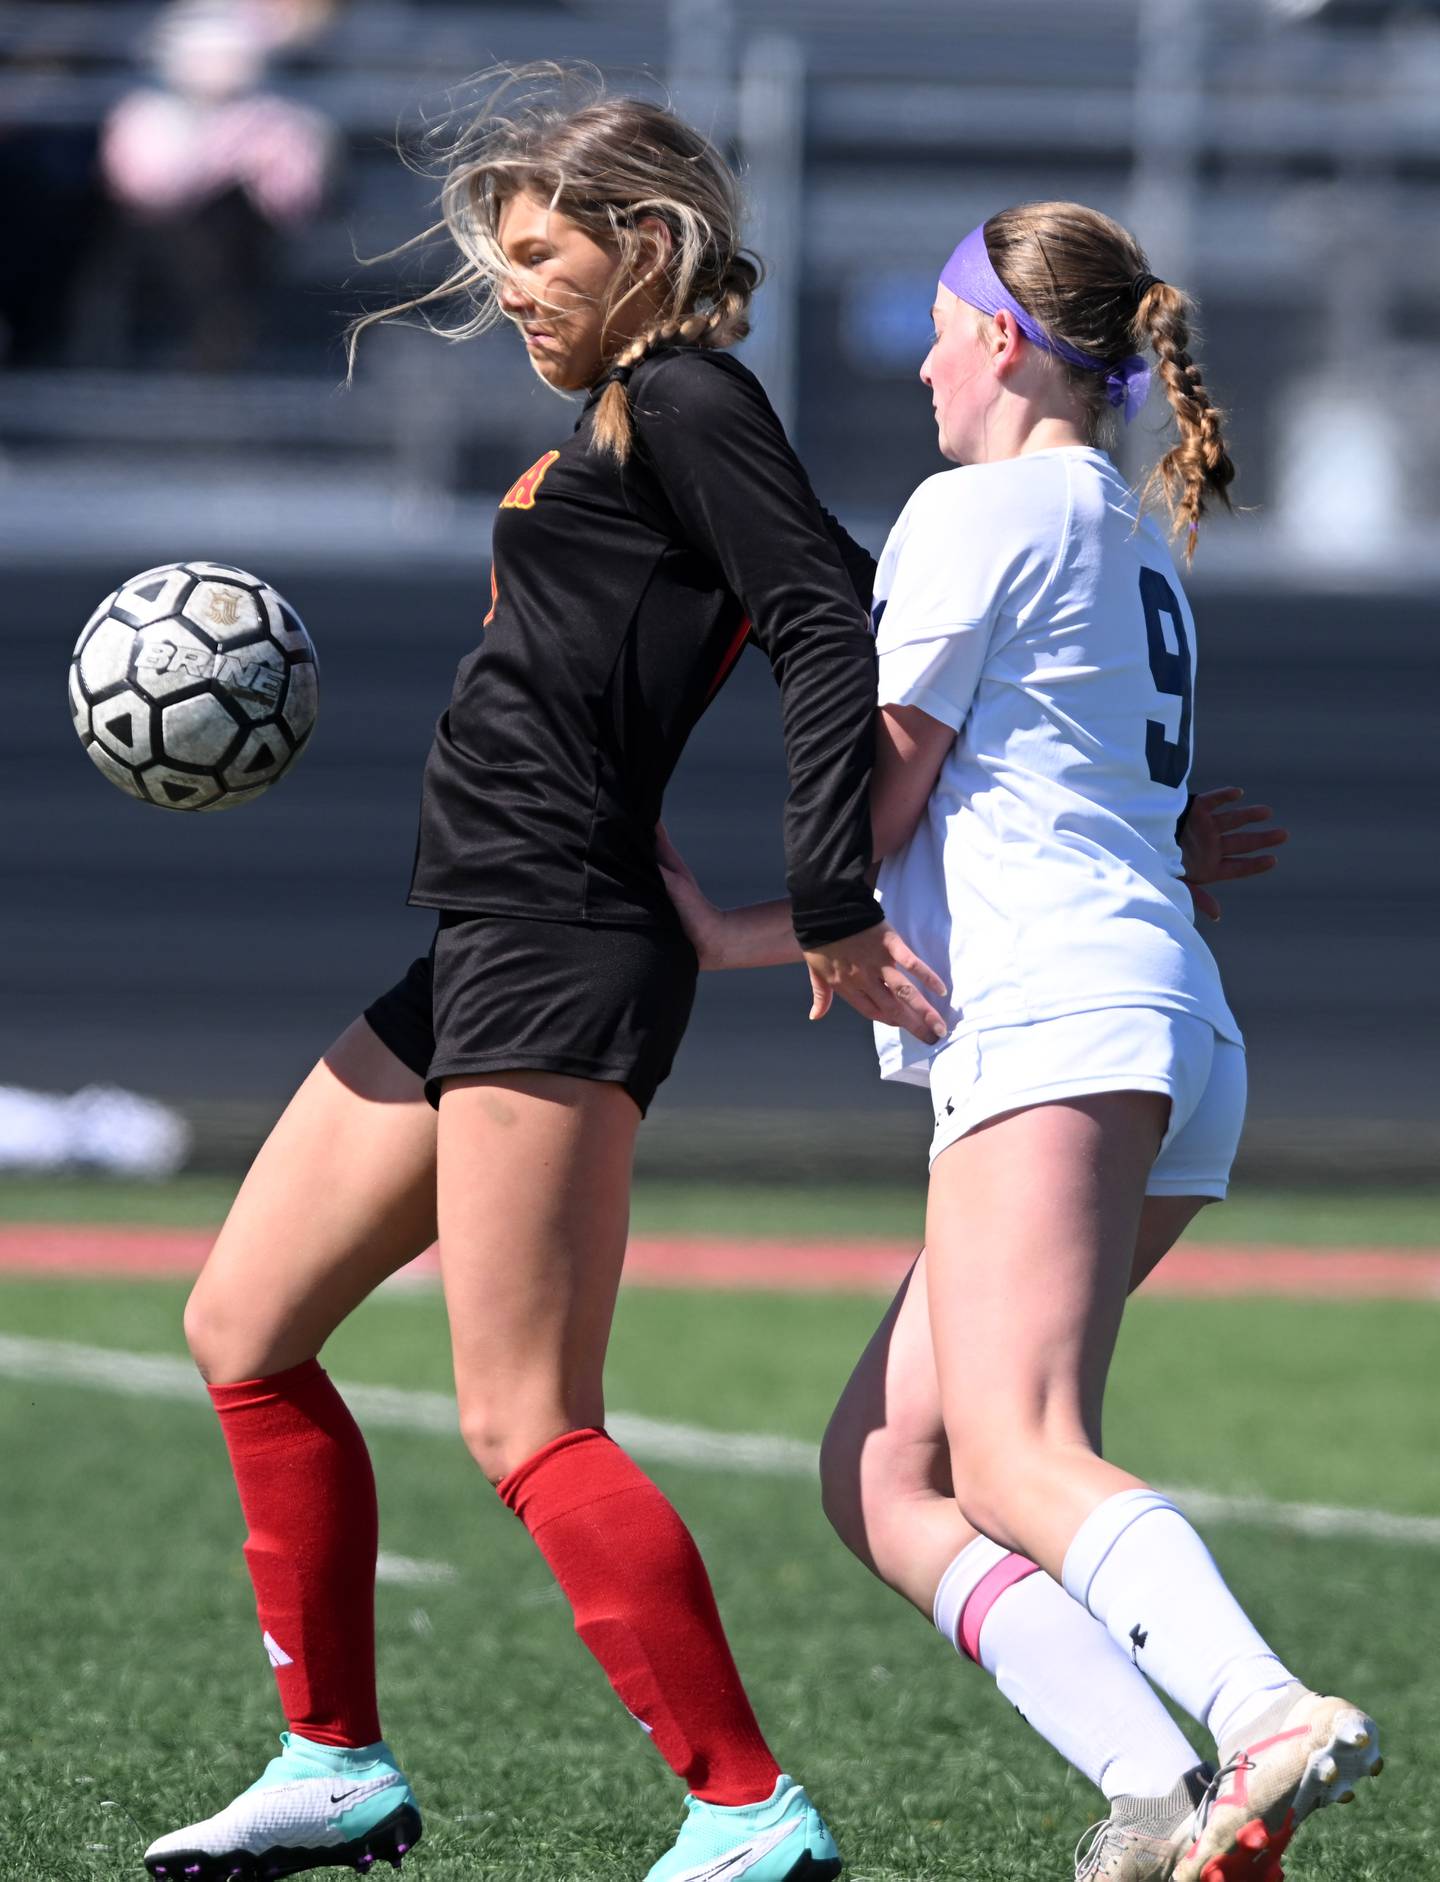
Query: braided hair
x=722, y=320
x=1198, y=467
x=1086, y=280
x=615, y=167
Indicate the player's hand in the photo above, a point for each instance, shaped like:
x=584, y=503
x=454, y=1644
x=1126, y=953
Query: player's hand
x=881, y=977
x=1222, y=843
x=699, y=917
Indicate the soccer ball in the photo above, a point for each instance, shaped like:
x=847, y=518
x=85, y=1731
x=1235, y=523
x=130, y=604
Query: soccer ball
x=194, y=686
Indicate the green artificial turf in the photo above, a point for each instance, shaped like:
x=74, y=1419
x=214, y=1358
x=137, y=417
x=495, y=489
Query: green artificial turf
x=133, y=1672
x=1318, y=1217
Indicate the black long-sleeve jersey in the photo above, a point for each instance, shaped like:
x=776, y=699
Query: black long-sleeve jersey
x=621, y=597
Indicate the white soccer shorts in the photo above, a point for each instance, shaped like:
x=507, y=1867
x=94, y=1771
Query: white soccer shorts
x=980, y=1075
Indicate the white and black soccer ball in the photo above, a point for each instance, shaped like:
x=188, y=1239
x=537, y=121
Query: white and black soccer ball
x=194, y=686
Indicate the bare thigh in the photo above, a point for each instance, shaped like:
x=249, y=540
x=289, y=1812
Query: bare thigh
x=341, y=1195
x=1031, y=1226
x=534, y=1207
x=885, y=1461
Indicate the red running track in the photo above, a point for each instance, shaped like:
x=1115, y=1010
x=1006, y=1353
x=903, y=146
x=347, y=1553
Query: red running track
x=1194, y=1270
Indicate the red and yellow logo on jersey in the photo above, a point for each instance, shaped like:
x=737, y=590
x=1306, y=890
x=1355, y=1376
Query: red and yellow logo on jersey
x=521, y=494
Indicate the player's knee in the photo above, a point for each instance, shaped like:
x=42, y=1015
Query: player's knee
x=205, y=1334
x=228, y=1343
x=984, y=1477
x=502, y=1437
x=868, y=1478
x=841, y=1495
x=489, y=1442
x=995, y=1481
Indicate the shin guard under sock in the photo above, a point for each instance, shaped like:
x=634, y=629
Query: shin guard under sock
x=644, y=1607
x=308, y=1494
x=1142, y=1571
x=1061, y=1671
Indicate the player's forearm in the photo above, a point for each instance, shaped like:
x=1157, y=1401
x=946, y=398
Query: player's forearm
x=761, y=934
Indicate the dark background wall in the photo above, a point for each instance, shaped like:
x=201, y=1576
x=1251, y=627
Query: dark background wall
x=1282, y=162
x=212, y=957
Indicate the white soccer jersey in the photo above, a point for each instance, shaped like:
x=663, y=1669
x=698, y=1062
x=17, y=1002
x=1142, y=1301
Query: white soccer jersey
x=1019, y=603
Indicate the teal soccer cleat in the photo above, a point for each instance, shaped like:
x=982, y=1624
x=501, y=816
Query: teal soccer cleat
x=314, y=1807
x=782, y=1840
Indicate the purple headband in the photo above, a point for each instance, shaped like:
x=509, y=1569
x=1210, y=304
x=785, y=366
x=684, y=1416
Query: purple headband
x=970, y=276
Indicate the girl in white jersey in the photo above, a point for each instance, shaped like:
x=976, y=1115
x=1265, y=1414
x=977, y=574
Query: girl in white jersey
x=1037, y=658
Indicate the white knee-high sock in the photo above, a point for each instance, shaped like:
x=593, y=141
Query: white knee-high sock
x=1142, y=1571
x=1061, y=1671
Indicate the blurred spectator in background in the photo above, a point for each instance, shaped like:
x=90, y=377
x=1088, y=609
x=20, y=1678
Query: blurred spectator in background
x=294, y=22
x=207, y=170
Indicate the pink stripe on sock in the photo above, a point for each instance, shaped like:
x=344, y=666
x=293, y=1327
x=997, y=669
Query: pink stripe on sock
x=986, y=1592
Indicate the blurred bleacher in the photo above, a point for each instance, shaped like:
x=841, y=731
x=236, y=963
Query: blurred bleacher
x=1285, y=159
x=1282, y=158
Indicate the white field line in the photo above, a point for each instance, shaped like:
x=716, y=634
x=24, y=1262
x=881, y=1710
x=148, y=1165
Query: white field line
x=144, y=1375
x=388, y=1407
x=408, y=1571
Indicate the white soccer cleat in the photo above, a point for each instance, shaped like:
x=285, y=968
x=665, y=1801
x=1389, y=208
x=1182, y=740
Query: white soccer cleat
x=314, y=1807
x=1307, y=1751
x=1143, y=1837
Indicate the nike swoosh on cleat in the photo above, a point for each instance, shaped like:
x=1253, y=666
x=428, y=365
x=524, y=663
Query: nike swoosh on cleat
x=344, y=1794
x=739, y=1860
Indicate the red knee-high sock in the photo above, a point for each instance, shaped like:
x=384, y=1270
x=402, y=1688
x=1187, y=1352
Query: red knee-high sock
x=308, y=1494
x=644, y=1607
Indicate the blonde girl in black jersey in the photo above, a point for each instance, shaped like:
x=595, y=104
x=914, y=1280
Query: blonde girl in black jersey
x=632, y=560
